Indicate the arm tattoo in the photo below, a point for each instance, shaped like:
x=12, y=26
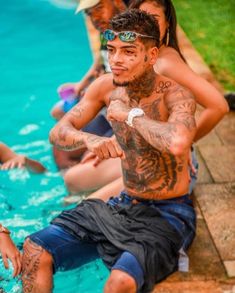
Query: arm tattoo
x=158, y=134
x=77, y=111
x=162, y=87
x=181, y=106
x=67, y=139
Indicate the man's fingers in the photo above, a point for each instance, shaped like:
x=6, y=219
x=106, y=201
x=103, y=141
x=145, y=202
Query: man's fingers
x=87, y=157
x=112, y=151
x=119, y=151
x=105, y=151
x=96, y=162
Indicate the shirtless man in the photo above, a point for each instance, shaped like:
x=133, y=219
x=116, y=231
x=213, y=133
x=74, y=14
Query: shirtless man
x=138, y=234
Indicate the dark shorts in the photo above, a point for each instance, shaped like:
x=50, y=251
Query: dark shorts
x=69, y=252
x=178, y=211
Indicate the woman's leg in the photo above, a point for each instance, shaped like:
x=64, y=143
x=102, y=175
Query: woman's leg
x=86, y=177
x=112, y=189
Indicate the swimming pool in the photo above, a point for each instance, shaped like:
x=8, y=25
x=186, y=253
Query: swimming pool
x=42, y=45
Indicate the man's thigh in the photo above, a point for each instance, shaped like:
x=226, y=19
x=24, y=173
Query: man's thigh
x=67, y=251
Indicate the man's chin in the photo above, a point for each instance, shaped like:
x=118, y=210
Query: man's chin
x=120, y=83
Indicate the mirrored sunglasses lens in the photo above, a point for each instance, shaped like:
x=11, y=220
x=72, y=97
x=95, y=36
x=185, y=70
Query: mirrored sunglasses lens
x=109, y=35
x=127, y=36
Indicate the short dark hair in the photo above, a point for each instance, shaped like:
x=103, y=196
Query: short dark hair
x=170, y=15
x=137, y=21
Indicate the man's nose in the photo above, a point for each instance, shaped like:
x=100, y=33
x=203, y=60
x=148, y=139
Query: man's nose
x=117, y=57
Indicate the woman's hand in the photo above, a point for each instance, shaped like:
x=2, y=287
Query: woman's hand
x=18, y=161
x=10, y=252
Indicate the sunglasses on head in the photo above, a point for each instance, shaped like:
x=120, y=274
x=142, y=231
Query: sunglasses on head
x=124, y=36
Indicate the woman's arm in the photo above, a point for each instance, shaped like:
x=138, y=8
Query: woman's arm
x=215, y=106
x=10, y=160
x=5, y=153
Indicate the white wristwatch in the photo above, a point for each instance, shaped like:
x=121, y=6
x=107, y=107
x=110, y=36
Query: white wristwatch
x=135, y=112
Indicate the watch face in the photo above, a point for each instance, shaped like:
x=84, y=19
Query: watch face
x=138, y=111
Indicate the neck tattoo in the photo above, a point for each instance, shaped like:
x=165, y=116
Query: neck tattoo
x=142, y=86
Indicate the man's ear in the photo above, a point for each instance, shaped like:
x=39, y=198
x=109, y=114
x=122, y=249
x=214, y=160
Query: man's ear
x=153, y=53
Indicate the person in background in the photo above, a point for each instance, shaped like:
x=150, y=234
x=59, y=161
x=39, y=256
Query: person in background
x=10, y=160
x=9, y=251
x=99, y=12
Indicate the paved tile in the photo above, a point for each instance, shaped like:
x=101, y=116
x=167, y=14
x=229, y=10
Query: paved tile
x=217, y=202
x=220, y=161
x=189, y=287
x=230, y=268
x=211, y=139
x=202, y=254
x=226, y=129
x=204, y=265
x=203, y=172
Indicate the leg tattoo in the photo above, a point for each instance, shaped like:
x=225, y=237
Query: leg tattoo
x=31, y=262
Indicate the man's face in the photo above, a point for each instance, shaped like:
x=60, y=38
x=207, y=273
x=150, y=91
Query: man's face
x=128, y=60
x=101, y=14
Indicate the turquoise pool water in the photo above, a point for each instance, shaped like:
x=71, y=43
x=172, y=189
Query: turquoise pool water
x=42, y=45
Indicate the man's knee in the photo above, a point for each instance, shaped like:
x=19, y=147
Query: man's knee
x=36, y=269
x=120, y=282
x=34, y=257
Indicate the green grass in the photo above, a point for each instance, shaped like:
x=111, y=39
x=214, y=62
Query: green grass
x=210, y=25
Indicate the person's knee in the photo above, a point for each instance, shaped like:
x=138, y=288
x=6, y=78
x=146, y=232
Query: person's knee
x=71, y=180
x=75, y=179
x=120, y=282
x=35, y=257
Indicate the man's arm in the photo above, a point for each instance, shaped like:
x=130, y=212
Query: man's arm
x=175, y=135
x=66, y=135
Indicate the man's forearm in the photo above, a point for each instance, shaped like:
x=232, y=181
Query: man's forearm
x=68, y=139
x=164, y=136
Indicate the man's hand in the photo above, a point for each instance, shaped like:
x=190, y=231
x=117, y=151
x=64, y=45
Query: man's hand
x=89, y=156
x=17, y=162
x=9, y=251
x=104, y=147
x=117, y=111
x=119, y=105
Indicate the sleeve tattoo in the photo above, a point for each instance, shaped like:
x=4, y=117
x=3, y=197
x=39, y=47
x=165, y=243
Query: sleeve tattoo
x=161, y=135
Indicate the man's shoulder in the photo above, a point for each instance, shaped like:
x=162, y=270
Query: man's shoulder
x=165, y=84
x=102, y=86
x=171, y=89
x=106, y=78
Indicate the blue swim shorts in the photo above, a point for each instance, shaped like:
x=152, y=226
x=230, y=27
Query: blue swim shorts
x=68, y=253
